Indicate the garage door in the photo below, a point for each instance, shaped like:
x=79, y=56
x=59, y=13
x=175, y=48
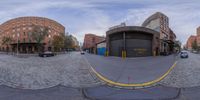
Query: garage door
x=138, y=47
x=116, y=47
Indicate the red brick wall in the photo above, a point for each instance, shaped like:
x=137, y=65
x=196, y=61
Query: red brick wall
x=198, y=40
x=24, y=25
x=90, y=40
x=190, y=40
x=198, y=31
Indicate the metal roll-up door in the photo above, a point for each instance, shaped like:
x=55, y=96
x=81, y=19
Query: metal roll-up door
x=138, y=47
x=116, y=47
x=138, y=44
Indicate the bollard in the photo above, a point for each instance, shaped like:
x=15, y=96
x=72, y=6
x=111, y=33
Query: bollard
x=154, y=53
x=123, y=54
x=106, y=53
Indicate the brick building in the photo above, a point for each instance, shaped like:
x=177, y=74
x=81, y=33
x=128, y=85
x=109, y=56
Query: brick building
x=160, y=23
x=198, y=36
x=90, y=41
x=20, y=30
x=190, y=40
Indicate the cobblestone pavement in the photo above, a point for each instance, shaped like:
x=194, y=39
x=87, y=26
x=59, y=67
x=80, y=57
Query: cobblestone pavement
x=71, y=70
x=36, y=73
x=186, y=73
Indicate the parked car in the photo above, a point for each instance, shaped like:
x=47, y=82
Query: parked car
x=184, y=54
x=194, y=51
x=82, y=52
x=46, y=54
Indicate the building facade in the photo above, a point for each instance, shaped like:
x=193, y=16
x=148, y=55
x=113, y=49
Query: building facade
x=160, y=23
x=20, y=31
x=190, y=41
x=101, y=48
x=135, y=41
x=198, y=36
x=90, y=41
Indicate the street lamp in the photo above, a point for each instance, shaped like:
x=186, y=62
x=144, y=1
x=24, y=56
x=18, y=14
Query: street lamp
x=17, y=43
x=50, y=45
x=13, y=38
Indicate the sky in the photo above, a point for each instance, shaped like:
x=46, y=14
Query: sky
x=96, y=16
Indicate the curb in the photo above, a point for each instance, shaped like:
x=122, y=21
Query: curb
x=110, y=82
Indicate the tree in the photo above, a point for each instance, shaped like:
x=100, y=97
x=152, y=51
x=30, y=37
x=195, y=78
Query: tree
x=68, y=44
x=6, y=41
x=38, y=35
x=58, y=42
x=194, y=45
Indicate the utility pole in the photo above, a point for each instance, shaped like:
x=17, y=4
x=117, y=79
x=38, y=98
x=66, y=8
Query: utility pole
x=17, y=43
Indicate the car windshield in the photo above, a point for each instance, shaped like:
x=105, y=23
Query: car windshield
x=99, y=49
x=184, y=52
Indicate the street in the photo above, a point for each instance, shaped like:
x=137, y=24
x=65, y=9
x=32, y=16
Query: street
x=70, y=73
x=186, y=73
x=131, y=70
x=38, y=73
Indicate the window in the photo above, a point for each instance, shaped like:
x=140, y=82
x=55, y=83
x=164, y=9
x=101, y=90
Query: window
x=29, y=40
x=18, y=29
x=24, y=34
x=29, y=33
x=41, y=29
x=30, y=28
x=24, y=40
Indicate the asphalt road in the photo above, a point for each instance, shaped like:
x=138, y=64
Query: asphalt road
x=103, y=92
x=131, y=70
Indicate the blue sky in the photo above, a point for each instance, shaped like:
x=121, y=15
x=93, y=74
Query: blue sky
x=96, y=16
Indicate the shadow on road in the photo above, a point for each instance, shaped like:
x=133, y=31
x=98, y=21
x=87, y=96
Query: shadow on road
x=102, y=92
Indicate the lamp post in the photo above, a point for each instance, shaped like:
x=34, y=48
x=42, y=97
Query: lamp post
x=12, y=49
x=17, y=43
x=49, y=43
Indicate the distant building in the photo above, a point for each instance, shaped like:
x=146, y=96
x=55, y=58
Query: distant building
x=198, y=36
x=160, y=23
x=101, y=47
x=198, y=30
x=90, y=41
x=190, y=40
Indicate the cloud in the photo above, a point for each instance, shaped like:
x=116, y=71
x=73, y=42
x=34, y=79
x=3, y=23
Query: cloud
x=183, y=18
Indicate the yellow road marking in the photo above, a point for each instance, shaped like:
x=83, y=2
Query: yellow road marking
x=134, y=85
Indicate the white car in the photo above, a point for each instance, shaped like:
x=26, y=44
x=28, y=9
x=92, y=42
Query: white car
x=184, y=54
